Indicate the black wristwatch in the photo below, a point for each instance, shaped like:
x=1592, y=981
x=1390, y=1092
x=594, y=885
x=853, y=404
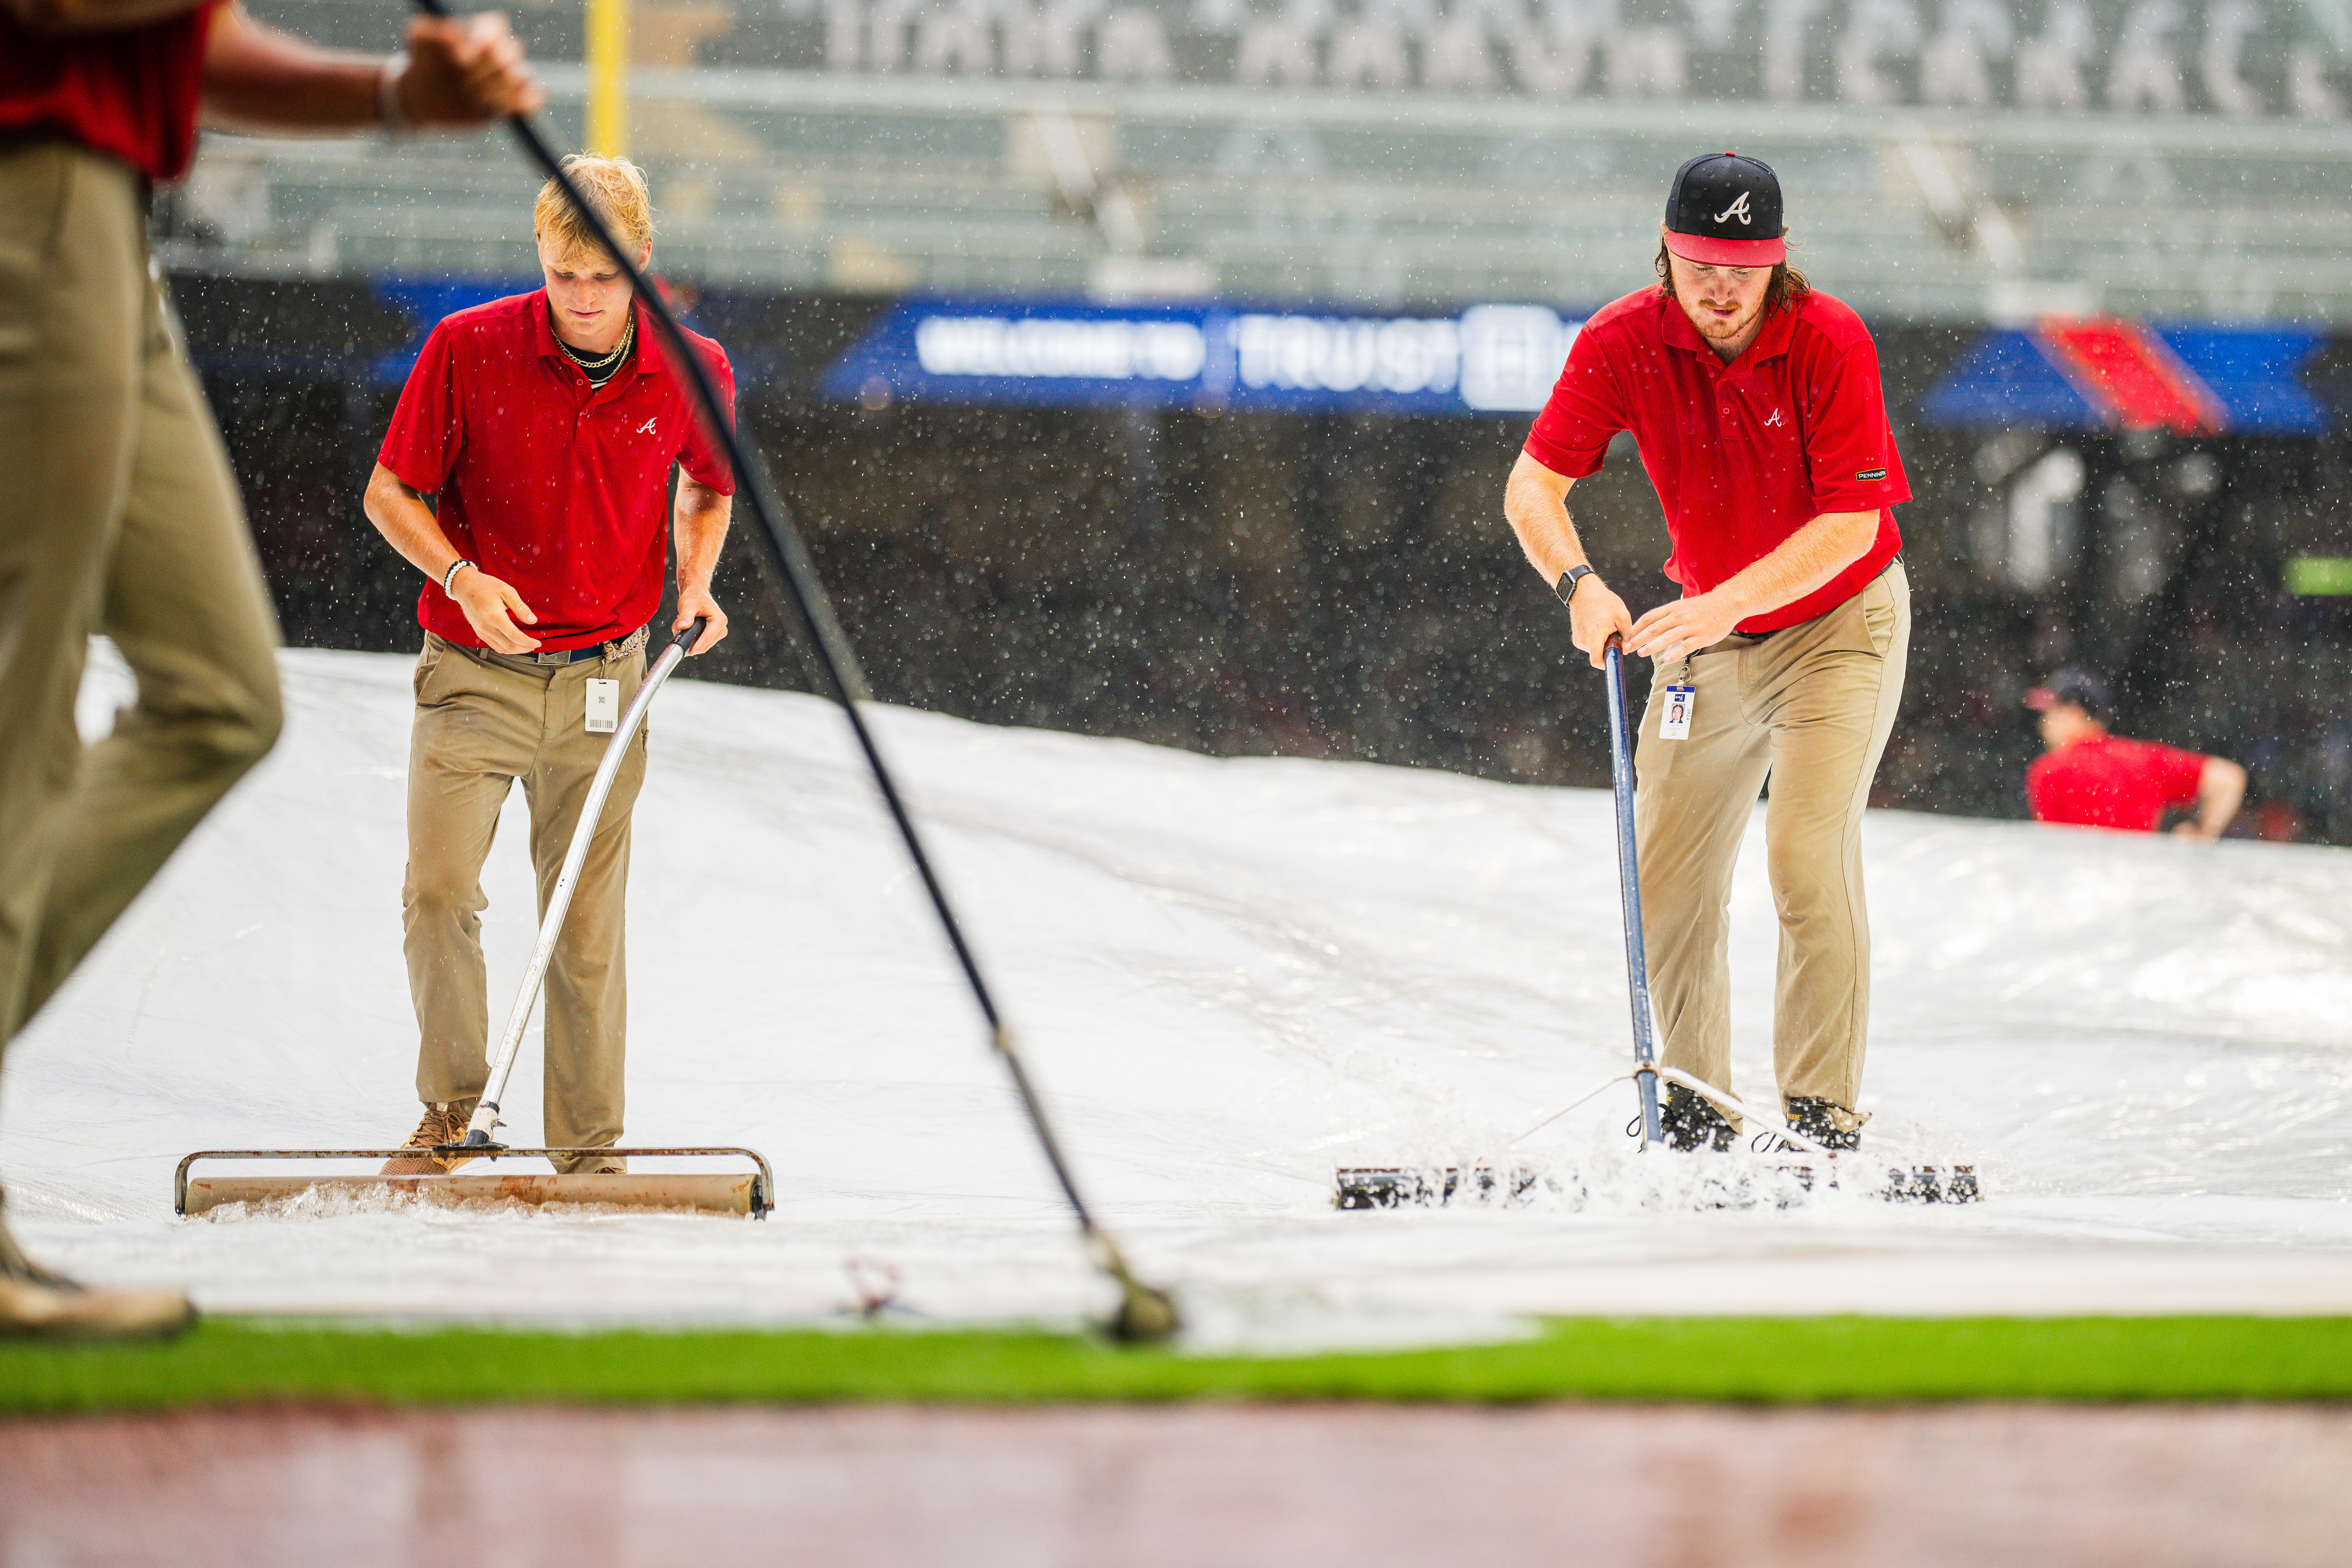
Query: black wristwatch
x=1566, y=586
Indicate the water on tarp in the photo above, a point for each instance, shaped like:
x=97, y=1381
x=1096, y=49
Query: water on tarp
x=1231, y=977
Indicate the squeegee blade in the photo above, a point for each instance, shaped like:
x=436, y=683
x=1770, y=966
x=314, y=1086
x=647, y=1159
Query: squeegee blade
x=734, y=1193
x=1428, y=1186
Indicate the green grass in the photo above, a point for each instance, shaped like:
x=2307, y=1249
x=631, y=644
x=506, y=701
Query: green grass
x=1779, y=1359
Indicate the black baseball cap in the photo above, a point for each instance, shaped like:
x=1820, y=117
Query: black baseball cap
x=2079, y=687
x=1725, y=211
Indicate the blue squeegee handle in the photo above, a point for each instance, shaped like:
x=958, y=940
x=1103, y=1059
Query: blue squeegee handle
x=1628, y=884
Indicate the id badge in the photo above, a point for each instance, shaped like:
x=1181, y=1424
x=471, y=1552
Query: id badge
x=603, y=707
x=1675, y=717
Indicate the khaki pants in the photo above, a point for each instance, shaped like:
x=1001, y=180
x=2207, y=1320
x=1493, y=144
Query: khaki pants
x=1811, y=706
x=484, y=720
x=118, y=514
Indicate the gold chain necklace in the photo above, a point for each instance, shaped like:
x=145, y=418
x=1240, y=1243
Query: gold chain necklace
x=606, y=364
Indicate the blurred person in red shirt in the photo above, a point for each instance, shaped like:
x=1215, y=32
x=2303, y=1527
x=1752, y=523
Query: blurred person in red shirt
x=2089, y=778
x=122, y=517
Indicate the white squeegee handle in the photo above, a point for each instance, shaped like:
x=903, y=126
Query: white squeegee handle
x=480, y=1130
x=1629, y=882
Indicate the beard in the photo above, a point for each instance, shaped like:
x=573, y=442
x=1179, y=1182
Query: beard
x=1711, y=325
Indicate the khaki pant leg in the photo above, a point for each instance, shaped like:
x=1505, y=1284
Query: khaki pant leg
x=587, y=977
x=476, y=730
x=72, y=265
x=1692, y=801
x=186, y=604
x=1830, y=696
x=72, y=276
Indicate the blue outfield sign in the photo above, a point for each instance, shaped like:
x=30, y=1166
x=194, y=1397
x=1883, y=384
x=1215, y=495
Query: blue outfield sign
x=426, y=302
x=1490, y=359
x=2249, y=378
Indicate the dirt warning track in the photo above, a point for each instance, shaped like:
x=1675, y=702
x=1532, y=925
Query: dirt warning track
x=1231, y=1485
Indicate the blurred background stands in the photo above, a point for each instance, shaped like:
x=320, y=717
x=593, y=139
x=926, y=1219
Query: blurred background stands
x=1969, y=174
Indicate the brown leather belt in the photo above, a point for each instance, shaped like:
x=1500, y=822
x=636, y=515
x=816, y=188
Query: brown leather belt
x=604, y=651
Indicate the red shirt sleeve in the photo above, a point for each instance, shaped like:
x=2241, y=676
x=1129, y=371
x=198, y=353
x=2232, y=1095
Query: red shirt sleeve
x=704, y=456
x=131, y=93
x=2038, y=787
x=1586, y=409
x=428, y=424
x=2177, y=773
x=1850, y=452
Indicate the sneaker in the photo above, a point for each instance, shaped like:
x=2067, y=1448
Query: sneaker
x=442, y=1123
x=1690, y=1120
x=1818, y=1120
x=54, y=1307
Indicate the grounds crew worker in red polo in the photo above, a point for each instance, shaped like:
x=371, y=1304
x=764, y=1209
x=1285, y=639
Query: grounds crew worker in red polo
x=2089, y=778
x=118, y=512
x=545, y=426
x=1756, y=401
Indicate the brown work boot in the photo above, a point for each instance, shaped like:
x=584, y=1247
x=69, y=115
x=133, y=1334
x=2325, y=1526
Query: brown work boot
x=53, y=1308
x=442, y=1123
x=15, y=1265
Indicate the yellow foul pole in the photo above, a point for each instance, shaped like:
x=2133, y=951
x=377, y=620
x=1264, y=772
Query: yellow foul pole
x=608, y=67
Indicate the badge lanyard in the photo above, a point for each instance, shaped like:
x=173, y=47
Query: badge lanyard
x=603, y=707
x=1680, y=703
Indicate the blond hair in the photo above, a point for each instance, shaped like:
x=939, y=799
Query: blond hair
x=614, y=187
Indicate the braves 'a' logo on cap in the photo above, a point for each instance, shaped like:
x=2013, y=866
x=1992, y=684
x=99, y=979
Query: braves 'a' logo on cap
x=1738, y=209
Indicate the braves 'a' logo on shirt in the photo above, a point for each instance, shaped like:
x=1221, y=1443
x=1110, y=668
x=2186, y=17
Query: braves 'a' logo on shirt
x=646, y=429
x=1738, y=209
x=1776, y=419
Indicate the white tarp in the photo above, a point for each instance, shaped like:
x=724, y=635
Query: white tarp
x=1230, y=976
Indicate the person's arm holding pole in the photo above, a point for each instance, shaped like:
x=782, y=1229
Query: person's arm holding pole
x=456, y=74
x=699, y=519
x=1536, y=503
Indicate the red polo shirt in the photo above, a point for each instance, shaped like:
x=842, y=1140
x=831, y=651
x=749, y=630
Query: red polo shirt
x=131, y=93
x=1745, y=454
x=557, y=488
x=2106, y=781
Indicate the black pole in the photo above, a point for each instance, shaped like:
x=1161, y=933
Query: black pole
x=1629, y=885
x=1144, y=1313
